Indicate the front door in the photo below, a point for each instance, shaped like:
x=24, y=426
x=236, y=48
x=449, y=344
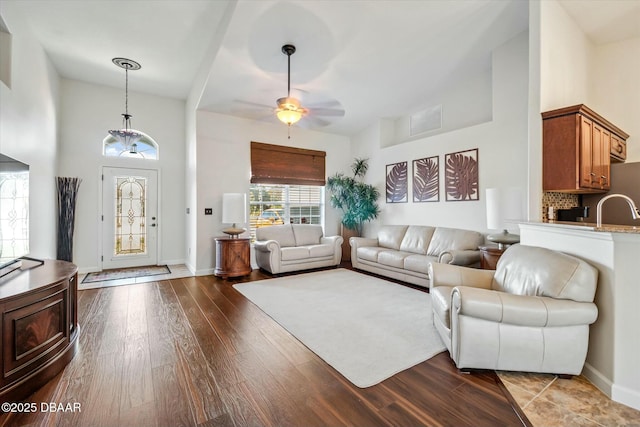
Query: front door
x=129, y=217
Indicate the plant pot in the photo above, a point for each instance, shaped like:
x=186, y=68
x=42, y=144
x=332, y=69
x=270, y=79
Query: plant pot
x=346, y=247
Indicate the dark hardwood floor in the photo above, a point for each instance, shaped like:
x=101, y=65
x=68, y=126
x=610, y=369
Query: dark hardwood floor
x=194, y=352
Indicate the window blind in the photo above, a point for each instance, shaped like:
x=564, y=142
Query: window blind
x=277, y=164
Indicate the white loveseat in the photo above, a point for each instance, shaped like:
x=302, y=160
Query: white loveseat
x=292, y=247
x=404, y=252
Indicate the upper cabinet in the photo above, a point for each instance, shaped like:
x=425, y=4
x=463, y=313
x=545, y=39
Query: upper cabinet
x=578, y=147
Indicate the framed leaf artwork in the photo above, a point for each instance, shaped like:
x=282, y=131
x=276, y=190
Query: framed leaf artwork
x=461, y=175
x=426, y=179
x=396, y=183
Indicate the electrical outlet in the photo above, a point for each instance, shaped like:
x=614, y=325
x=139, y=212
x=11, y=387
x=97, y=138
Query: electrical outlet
x=208, y=211
x=188, y=211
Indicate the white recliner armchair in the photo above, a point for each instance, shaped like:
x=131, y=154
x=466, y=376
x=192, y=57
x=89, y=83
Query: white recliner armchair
x=531, y=314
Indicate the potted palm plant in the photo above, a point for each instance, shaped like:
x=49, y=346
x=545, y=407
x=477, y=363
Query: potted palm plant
x=357, y=200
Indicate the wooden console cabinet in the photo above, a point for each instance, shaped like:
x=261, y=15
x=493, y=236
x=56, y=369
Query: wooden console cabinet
x=578, y=147
x=39, y=307
x=233, y=257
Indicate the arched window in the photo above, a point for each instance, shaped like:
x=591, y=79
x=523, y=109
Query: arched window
x=144, y=148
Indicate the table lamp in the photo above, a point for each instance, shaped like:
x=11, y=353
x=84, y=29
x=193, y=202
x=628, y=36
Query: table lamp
x=503, y=205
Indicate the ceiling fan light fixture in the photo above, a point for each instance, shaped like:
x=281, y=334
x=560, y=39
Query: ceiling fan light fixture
x=289, y=117
x=289, y=111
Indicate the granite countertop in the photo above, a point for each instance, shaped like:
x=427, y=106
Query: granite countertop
x=610, y=228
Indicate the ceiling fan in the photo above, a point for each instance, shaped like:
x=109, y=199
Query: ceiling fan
x=290, y=109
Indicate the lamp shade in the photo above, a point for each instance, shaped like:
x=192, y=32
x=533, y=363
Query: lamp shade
x=234, y=208
x=289, y=111
x=503, y=205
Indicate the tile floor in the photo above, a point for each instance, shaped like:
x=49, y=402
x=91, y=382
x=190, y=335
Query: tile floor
x=177, y=271
x=545, y=399
x=551, y=401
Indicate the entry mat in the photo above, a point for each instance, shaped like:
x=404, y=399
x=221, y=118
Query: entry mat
x=126, y=273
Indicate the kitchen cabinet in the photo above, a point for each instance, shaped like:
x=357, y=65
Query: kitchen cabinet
x=578, y=145
x=618, y=149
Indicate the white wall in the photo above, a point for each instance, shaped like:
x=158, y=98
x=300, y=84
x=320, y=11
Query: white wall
x=28, y=129
x=574, y=70
x=615, y=89
x=224, y=166
x=87, y=112
x=535, y=122
x=565, y=61
x=502, y=145
x=464, y=103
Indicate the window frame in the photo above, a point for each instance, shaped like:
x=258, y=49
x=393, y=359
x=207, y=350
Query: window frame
x=284, y=206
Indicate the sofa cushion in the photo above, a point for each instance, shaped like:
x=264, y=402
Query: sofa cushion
x=307, y=234
x=392, y=258
x=419, y=263
x=441, y=303
x=562, y=276
x=447, y=239
x=370, y=253
x=294, y=252
x=390, y=236
x=321, y=250
x=416, y=239
x=283, y=234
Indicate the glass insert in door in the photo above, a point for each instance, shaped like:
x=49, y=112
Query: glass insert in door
x=130, y=216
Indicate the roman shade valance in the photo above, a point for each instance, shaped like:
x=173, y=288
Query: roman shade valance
x=277, y=164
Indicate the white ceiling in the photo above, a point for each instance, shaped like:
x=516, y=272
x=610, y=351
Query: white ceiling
x=373, y=58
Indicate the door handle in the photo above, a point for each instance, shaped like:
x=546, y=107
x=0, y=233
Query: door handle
x=153, y=225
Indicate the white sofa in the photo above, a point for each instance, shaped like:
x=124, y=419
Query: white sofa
x=403, y=252
x=531, y=314
x=292, y=247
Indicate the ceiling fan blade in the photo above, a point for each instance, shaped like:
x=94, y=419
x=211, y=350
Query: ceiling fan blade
x=331, y=103
x=251, y=110
x=328, y=112
x=310, y=121
x=250, y=105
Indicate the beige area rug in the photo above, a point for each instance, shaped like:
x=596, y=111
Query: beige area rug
x=368, y=329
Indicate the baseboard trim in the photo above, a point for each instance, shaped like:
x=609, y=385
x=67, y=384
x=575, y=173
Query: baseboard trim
x=204, y=272
x=598, y=379
x=616, y=392
x=626, y=396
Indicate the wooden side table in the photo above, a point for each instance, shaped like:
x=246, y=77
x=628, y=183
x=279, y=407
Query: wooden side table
x=489, y=256
x=233, y=257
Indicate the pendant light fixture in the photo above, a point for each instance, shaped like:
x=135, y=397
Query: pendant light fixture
x=127, y=136
x=289, y=110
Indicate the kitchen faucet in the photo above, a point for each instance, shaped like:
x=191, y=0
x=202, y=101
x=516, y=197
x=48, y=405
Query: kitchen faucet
x=635, y=213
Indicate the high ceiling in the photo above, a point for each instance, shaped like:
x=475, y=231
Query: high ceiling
x=373, y=59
